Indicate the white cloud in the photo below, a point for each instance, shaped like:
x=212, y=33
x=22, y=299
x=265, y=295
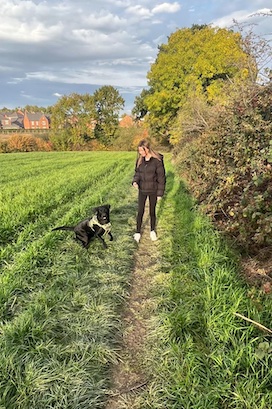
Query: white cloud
x=166, y=8
x=94, y=75
x=262, y=23
x=15, y=80
x=139, y=11
x=263, y=12
x=228, y=20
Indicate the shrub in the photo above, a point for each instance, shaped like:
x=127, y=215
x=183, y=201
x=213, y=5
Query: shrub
x=228, y=167
x=25, y=143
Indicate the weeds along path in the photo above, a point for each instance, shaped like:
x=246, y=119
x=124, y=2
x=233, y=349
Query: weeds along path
x=128, y=375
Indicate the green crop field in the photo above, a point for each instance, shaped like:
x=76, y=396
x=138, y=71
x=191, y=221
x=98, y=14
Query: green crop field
x=61, y=305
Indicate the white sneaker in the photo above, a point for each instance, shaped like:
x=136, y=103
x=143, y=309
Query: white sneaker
x=137, y=237
x=153, y=235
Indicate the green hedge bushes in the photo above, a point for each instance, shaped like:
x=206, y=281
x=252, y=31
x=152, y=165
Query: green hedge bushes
x=228, y=166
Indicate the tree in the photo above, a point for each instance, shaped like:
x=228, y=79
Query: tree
x=108, y=103
x=196, y=61
x=73, y=119
x=35, y=108
x=140, y=110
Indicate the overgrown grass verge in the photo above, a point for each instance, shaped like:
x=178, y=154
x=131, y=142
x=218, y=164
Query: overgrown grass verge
x=201, y=355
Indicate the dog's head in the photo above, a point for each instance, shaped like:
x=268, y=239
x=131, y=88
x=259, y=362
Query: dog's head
x=103, y=214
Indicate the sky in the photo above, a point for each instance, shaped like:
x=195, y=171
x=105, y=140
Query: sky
x=53, y=48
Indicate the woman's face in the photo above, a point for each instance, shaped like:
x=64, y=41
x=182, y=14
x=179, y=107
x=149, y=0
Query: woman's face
x=143, y=151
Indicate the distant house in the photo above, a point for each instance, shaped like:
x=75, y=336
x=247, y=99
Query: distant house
x=36, y=120
x=126, y=122
x=11, y=120
x=18, y=120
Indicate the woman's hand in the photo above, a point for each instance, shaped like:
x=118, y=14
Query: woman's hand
x=159, y=198
x=135, y=184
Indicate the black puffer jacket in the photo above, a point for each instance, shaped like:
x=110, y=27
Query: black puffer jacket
x=150, y=176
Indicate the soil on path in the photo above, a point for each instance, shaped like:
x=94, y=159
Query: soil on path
x=128, y=375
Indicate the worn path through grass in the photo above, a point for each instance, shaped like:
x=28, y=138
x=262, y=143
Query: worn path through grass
x=133, y=383
x=128, y=375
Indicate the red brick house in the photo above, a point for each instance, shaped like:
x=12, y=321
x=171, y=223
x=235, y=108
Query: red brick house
x=19, y=120
x=36, y=120
x=126, y=122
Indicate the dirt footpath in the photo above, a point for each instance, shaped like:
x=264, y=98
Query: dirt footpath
x=128, y=376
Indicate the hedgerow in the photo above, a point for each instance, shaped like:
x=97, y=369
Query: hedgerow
x=228, y=166
x=24, y=143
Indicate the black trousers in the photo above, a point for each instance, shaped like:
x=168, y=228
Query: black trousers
x=141, y=208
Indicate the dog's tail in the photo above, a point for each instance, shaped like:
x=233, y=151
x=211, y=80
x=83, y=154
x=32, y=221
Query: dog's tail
x=71, y=228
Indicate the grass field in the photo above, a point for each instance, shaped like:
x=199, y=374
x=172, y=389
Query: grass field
x=60, y=305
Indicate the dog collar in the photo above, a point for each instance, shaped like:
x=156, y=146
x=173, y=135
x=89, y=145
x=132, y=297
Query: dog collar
x=94, y=221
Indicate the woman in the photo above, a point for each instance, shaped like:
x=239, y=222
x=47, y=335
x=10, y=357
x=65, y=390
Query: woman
x=149, y=179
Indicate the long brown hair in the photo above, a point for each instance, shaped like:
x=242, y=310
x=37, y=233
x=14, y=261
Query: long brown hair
x=145, y=144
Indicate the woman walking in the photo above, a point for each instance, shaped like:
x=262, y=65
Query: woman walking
x=149, y=179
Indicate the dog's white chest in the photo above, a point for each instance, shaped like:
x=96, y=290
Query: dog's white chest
x=94, y=222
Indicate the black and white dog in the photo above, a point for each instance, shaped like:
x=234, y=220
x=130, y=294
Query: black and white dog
x=96, y=227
